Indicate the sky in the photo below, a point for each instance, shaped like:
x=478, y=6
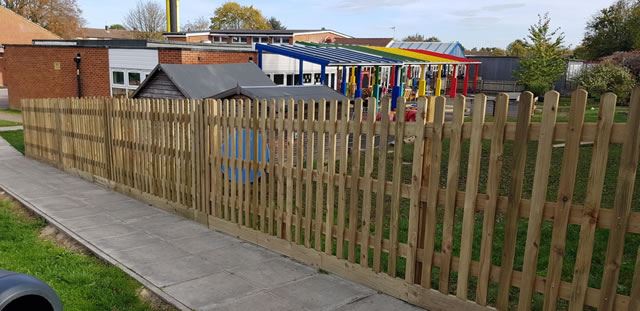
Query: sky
x=488, y=23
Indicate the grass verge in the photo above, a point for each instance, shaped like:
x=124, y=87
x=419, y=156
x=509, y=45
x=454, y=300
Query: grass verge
x=83, y=282
x=15, y=139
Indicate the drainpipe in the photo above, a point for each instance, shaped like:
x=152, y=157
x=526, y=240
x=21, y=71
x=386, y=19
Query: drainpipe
x=77, y=60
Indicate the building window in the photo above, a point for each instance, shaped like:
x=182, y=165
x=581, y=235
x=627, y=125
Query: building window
x=306, y=78
x=261, y=40
x=278, y=79
x=280, y=39
x=118, y=77
x=239, y=40
x=289, y=79
x=219, y=39
x=134, y=78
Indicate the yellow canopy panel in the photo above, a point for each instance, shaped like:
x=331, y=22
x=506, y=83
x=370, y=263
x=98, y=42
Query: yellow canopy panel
x=425, y=57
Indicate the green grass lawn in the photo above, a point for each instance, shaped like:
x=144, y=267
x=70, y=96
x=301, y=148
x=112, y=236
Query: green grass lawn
x=5, y=123
x=82, y=282
x=15, y=139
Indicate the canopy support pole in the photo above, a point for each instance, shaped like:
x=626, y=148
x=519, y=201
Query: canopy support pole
x=454, y=82
x=323, y=79
x=422, y=83
x=475, y=78
x=395, y=92
x=439, y=80
x=376, y=82
x=465, y=84
x=358, y=82
x=300, y=74
x=260, y=59
x=343, y=86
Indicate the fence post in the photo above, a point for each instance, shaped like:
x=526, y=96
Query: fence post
x=197, y=163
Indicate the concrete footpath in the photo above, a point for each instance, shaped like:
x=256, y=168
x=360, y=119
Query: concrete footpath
x=184, y=262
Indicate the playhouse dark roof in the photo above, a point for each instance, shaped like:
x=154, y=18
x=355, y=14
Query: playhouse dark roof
x=204, y=81
x=299, y=92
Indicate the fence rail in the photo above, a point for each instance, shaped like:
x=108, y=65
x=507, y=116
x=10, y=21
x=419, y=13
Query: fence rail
x=441, y=212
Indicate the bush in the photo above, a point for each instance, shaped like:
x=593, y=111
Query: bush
x=607, y=77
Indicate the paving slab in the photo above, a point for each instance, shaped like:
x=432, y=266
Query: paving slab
x=180, y=260
x=218, y=288
x=322, y=292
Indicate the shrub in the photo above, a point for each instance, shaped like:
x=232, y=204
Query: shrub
x=607, y=77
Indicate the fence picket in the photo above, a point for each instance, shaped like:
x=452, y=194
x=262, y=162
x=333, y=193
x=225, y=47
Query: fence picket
x=493, y=186
x=310, y=136
x=428, y=248
x=355, y=177
x=471, y=191
x=381, y=183
x=343, y=127
x=622, y=204
x=452, y=187
x=330, y=217
x=320, y=126
x=565, y=198
x=365, y=232
x=288, y=168
x=395, y=190
x=515, y=196
x=414, y=200
x=301, y=136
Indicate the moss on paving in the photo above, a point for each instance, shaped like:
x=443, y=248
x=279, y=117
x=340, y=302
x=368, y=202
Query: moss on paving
x=5, y=123
x=82, y=282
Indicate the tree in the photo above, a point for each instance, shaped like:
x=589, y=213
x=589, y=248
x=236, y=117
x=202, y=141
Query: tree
x=615, y=28
x=607, y=77
x=200, y=23
x=148, y=19
x=117, y=27
x=544, y=61
x=517, y=48
x=420, y=38
x=276, y=24
x=232, y=15
x=62, y=17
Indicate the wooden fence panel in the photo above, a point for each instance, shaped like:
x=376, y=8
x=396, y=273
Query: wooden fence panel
x=357, y=190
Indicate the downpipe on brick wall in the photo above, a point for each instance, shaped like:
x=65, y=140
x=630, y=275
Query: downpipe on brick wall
x=77, y=60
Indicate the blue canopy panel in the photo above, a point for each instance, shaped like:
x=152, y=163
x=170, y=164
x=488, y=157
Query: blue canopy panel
x=326, y=56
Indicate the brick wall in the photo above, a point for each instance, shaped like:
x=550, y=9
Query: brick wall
x=2, y=70
x=173, y=56
x=47, y=72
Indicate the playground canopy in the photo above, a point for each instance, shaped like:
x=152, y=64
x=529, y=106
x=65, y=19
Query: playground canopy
x=402, y=63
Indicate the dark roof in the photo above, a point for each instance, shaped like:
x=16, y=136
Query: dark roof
x=102, y=33
x=364, y=41
x=204, y=81
x=299, y=92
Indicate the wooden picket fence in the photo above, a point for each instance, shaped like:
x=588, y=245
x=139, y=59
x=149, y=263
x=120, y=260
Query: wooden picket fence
x=440, y=212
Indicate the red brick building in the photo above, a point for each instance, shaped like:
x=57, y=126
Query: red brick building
x=15, y=29
x=47, y=69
